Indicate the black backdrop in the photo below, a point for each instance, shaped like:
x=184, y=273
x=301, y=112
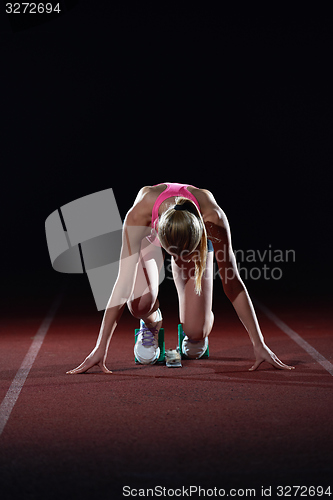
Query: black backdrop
x=122, y=95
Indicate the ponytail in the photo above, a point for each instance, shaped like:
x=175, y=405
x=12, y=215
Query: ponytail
x=183, y=228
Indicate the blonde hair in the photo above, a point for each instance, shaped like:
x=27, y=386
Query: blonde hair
x=184, y=230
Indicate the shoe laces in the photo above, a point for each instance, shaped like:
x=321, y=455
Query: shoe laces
x=148, y=336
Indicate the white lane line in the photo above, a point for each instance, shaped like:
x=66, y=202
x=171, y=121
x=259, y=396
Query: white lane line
x=296, y=338
x=14, y=390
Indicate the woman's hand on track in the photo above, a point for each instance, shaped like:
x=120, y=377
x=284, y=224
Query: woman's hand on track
x=263, y=353
x=95, y=358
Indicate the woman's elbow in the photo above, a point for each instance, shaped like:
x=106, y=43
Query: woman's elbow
x=233, y=288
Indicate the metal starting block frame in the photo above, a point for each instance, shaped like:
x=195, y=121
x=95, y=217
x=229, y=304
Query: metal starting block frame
x=161, y=345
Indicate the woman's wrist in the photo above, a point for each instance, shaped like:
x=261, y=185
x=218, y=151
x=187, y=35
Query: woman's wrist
x=256, y=337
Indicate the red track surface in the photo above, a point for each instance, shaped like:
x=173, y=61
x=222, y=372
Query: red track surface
x=211, y=423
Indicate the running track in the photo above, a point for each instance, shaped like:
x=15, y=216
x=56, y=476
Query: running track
x=211, y=423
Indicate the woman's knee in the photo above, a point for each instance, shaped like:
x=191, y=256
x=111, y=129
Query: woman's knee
x=142, y=307
x=199, y=330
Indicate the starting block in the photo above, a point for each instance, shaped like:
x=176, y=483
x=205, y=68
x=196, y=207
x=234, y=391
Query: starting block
x=181, y=336
x=161, y=345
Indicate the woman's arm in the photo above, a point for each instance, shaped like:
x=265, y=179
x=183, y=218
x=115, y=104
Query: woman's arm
x=218, y=230
x=135, y=228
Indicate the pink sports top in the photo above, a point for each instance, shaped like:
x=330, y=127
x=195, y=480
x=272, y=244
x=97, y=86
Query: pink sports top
x=173, y=189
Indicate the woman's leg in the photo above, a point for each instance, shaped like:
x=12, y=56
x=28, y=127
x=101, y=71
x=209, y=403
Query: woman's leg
x=143, y=302
x=195, y=311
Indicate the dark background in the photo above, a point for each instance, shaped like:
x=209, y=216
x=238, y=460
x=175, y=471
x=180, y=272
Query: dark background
x=122, y=95
x=119, y=94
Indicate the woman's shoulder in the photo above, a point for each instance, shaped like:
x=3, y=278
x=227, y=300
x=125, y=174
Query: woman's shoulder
x=205, y=199
x=141, y=210
x=211, y=212
x=148, y=195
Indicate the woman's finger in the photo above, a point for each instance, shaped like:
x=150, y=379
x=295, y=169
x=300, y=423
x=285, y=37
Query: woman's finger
x=274, y=361
x=79, y=369
x=83, y=367
x=278, y=364
x=86, y=365
x=256, y=364
x=105, y=369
